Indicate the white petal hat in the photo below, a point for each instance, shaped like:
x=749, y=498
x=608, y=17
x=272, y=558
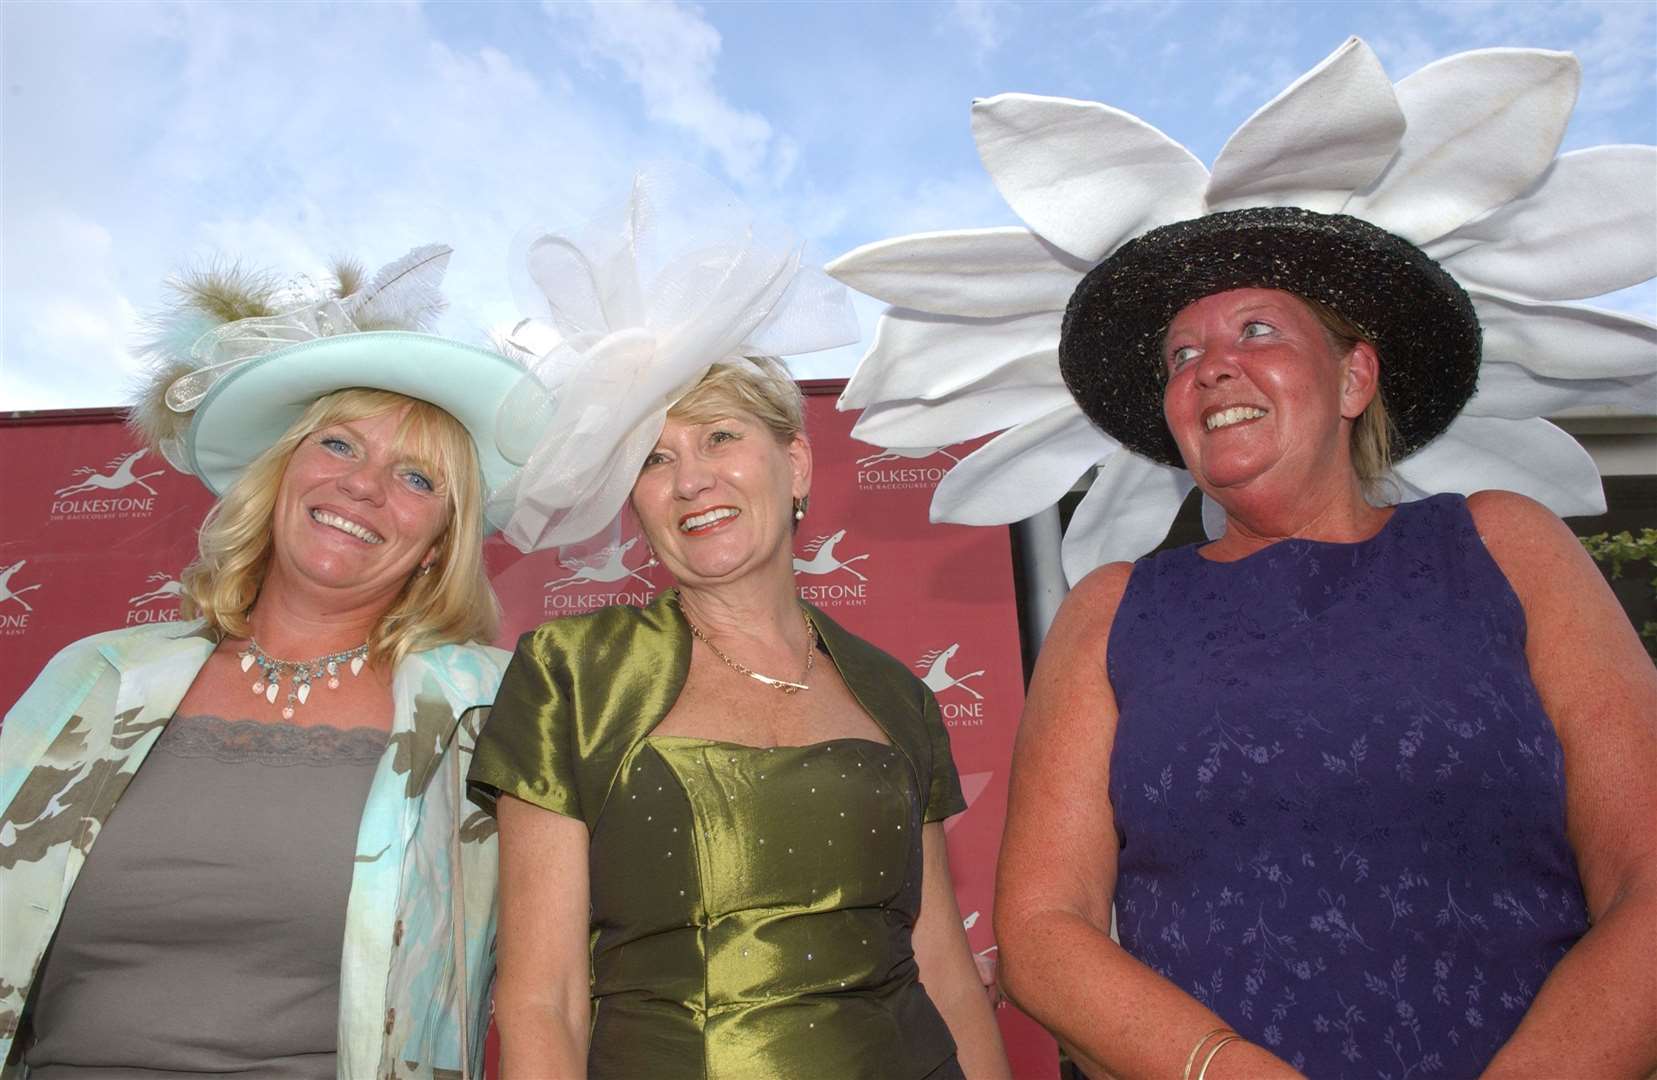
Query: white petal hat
x=1457, y=160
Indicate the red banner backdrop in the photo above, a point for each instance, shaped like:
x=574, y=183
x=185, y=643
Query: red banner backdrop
x=96, y=530
x=93, y=533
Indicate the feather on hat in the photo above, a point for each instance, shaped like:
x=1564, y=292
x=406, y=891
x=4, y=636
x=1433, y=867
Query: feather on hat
x=223, y=316
x=238, y=357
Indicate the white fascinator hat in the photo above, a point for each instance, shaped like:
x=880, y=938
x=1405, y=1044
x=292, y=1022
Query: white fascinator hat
x=622, y=318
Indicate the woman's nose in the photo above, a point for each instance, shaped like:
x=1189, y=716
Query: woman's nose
x=364, y=482
x=1214, y=366
x=691, y=476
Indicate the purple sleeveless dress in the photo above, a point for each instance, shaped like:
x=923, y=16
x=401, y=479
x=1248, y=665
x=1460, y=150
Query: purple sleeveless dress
x=1339, y=802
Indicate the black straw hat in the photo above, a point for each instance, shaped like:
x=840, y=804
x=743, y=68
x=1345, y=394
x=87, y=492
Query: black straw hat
x=1419, y=319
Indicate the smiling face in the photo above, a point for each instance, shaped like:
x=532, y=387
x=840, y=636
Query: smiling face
x=1256, y=389
x=716, y=497
x=356, y=514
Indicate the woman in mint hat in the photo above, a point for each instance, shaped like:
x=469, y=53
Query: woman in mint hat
x=293, y=884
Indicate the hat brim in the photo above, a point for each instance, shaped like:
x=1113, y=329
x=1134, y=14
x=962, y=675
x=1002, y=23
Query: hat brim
x=251, y=407
x=1419, y=319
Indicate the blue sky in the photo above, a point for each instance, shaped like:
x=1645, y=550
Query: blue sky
x=141, y=138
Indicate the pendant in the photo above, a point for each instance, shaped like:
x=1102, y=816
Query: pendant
x=299, y=673
x=781, y=684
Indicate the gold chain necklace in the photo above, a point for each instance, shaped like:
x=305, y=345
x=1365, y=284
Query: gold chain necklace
x=779, y=684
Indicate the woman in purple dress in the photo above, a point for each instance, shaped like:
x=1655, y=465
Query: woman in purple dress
x=1368, y=785
x=1365, y=784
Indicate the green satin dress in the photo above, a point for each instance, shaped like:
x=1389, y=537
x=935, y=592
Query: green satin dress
x=752, y=908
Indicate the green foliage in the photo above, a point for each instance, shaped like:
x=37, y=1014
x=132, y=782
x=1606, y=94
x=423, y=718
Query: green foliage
x=1620, y=549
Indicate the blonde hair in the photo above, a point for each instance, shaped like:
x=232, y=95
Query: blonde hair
x=453, y=603
x=760, y=385
x=1372, y=432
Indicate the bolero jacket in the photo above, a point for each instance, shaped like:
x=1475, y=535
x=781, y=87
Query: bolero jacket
x=419, y=956
x=582, y=692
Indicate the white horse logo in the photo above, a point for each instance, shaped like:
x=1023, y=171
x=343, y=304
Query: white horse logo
x=605, y=568
x=169, y=589
x=912, y=453
x=118, y=477
x=937, y=677
x=823, y=559
x=6, y=590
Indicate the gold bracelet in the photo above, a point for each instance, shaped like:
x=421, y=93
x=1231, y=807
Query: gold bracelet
x=1191, y=1058
x=1202, y=1072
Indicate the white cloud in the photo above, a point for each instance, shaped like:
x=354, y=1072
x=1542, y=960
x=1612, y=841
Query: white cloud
x=278, y=136
x=670, y=52
x=1238, y=86
x=1614, y=39
x=983, y=22
x=1254, y=54
x=62, y=300
x=139, y=138
x=1403, y=49
x=1124, y=28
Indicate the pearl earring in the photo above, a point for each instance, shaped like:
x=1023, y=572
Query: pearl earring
x=799, y=507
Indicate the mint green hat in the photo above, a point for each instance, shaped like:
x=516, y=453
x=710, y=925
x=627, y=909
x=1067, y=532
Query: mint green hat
x=239, y=359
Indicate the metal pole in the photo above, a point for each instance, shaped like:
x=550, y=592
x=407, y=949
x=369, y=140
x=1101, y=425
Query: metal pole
x=1042, y=568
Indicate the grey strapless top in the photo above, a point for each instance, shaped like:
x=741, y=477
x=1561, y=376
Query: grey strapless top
x=204, y=933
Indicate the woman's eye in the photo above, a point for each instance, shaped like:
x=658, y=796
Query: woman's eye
x=1180, y=357
x=335, y=443
x=721, y=435
x=420, y=480
x=1256, y=329
x=653, y=458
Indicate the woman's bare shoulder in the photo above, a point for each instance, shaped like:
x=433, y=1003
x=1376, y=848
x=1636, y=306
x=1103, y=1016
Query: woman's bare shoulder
x=1091, y=605
x=1528, y=541
x=1497, y=508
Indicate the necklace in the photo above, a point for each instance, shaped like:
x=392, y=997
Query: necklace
x=780, y=684
x=300, y=672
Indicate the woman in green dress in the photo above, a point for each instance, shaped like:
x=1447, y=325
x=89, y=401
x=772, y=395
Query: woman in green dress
x=722, y=850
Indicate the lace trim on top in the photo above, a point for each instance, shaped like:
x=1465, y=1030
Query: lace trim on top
x=280, y=744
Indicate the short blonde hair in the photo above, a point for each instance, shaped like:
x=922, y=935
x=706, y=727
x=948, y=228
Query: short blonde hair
x=760, y=385
x=1372, y=432
x=453, y=603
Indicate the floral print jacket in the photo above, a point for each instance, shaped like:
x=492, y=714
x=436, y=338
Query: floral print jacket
x=419, y=957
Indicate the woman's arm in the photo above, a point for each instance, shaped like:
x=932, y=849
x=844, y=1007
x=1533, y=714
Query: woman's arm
x=946, y=967
x=542, y=989
x=1057, y=874
x=1596, y=1013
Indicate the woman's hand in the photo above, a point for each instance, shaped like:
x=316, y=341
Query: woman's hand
x=542, y=1004
x=1594, y=1015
